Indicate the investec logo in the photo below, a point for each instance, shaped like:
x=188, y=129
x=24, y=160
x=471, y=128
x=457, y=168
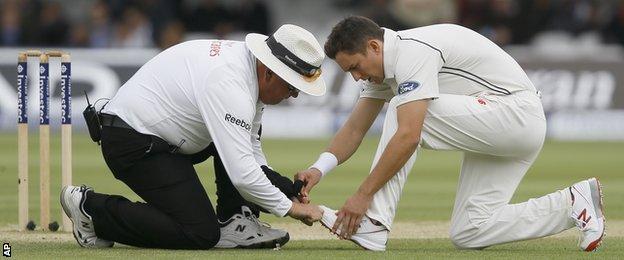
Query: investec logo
x=238, y=122
x=43, y=96
x=21, y=94
x=65, y=98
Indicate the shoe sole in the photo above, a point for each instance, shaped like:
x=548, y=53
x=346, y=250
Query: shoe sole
x=275, y=243
x=68, y=213
x=596, y=192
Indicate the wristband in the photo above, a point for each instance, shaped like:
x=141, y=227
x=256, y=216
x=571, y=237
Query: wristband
x=326, y=162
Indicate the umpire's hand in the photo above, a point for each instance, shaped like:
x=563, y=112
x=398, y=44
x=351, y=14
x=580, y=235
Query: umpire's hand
x=306, y=213
x=310, y=178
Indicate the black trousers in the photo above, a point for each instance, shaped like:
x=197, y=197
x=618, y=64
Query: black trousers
x=177, y=213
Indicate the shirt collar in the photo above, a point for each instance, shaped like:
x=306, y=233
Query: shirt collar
x=389, y=52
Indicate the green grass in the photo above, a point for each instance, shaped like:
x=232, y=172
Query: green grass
x=327, y=249
x=428, y=195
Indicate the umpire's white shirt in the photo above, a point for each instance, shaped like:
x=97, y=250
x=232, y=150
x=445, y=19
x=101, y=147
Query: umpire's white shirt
x=423, y=62
x=199, y=92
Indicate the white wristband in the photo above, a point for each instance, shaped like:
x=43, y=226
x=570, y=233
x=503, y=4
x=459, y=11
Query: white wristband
x=326, y=162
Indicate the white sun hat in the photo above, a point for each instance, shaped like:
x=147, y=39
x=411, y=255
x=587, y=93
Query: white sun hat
x=293, y=54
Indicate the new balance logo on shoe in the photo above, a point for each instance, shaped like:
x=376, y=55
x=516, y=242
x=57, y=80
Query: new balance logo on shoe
x=240, y=228
x=244, y=230
x=583, y=217
x=587, y=213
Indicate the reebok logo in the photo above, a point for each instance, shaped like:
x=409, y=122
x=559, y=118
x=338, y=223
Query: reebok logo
x=240, y=228
x=238, y=122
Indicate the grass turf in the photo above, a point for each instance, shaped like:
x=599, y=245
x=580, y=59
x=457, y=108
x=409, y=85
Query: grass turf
x=327, y=249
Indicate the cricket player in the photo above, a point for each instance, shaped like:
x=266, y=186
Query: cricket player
x=447, y=88
x=197, y=99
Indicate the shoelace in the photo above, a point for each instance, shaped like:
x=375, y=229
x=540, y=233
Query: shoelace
x=255, y=220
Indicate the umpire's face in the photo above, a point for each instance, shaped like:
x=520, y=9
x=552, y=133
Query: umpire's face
x=273, y=89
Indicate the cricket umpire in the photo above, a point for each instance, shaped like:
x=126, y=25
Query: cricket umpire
x=194, y=100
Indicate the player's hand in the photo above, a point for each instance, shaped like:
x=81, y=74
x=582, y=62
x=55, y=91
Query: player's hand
x=350, y=215
x=306, y=213
x=310, y=178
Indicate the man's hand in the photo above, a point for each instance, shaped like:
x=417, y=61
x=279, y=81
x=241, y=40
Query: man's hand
x=310, y=178
x=350, y=215
x=306, y=213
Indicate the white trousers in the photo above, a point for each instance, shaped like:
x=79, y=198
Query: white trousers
x=501, y=137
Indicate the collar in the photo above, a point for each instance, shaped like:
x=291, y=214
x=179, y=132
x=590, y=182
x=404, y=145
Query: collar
x=389, y=52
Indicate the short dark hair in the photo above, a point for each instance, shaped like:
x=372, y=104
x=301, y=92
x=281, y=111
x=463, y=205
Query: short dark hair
x=350, y=36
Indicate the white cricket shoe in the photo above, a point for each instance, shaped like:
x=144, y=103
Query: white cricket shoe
x=72, y=201
x=244, y=230
x=369, y=235
x=587, y=212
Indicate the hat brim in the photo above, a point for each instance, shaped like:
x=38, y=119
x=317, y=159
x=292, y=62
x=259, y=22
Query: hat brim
x=256, y=43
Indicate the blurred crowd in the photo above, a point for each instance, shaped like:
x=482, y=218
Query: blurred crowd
x=505, y=21
x=162, y=23
x=125, y=23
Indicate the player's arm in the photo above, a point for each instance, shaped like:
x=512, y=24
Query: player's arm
x=343, y=145
x=417, y=77
x=350, y=135
x=402, y=145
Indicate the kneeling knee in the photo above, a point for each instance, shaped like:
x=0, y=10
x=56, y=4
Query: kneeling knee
x=466, y=239
x=464, y=244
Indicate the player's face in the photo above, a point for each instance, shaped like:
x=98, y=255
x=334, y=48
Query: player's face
x=368, y=66
x=276, y=89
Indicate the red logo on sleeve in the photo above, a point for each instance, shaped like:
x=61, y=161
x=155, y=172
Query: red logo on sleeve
x=215, y=48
